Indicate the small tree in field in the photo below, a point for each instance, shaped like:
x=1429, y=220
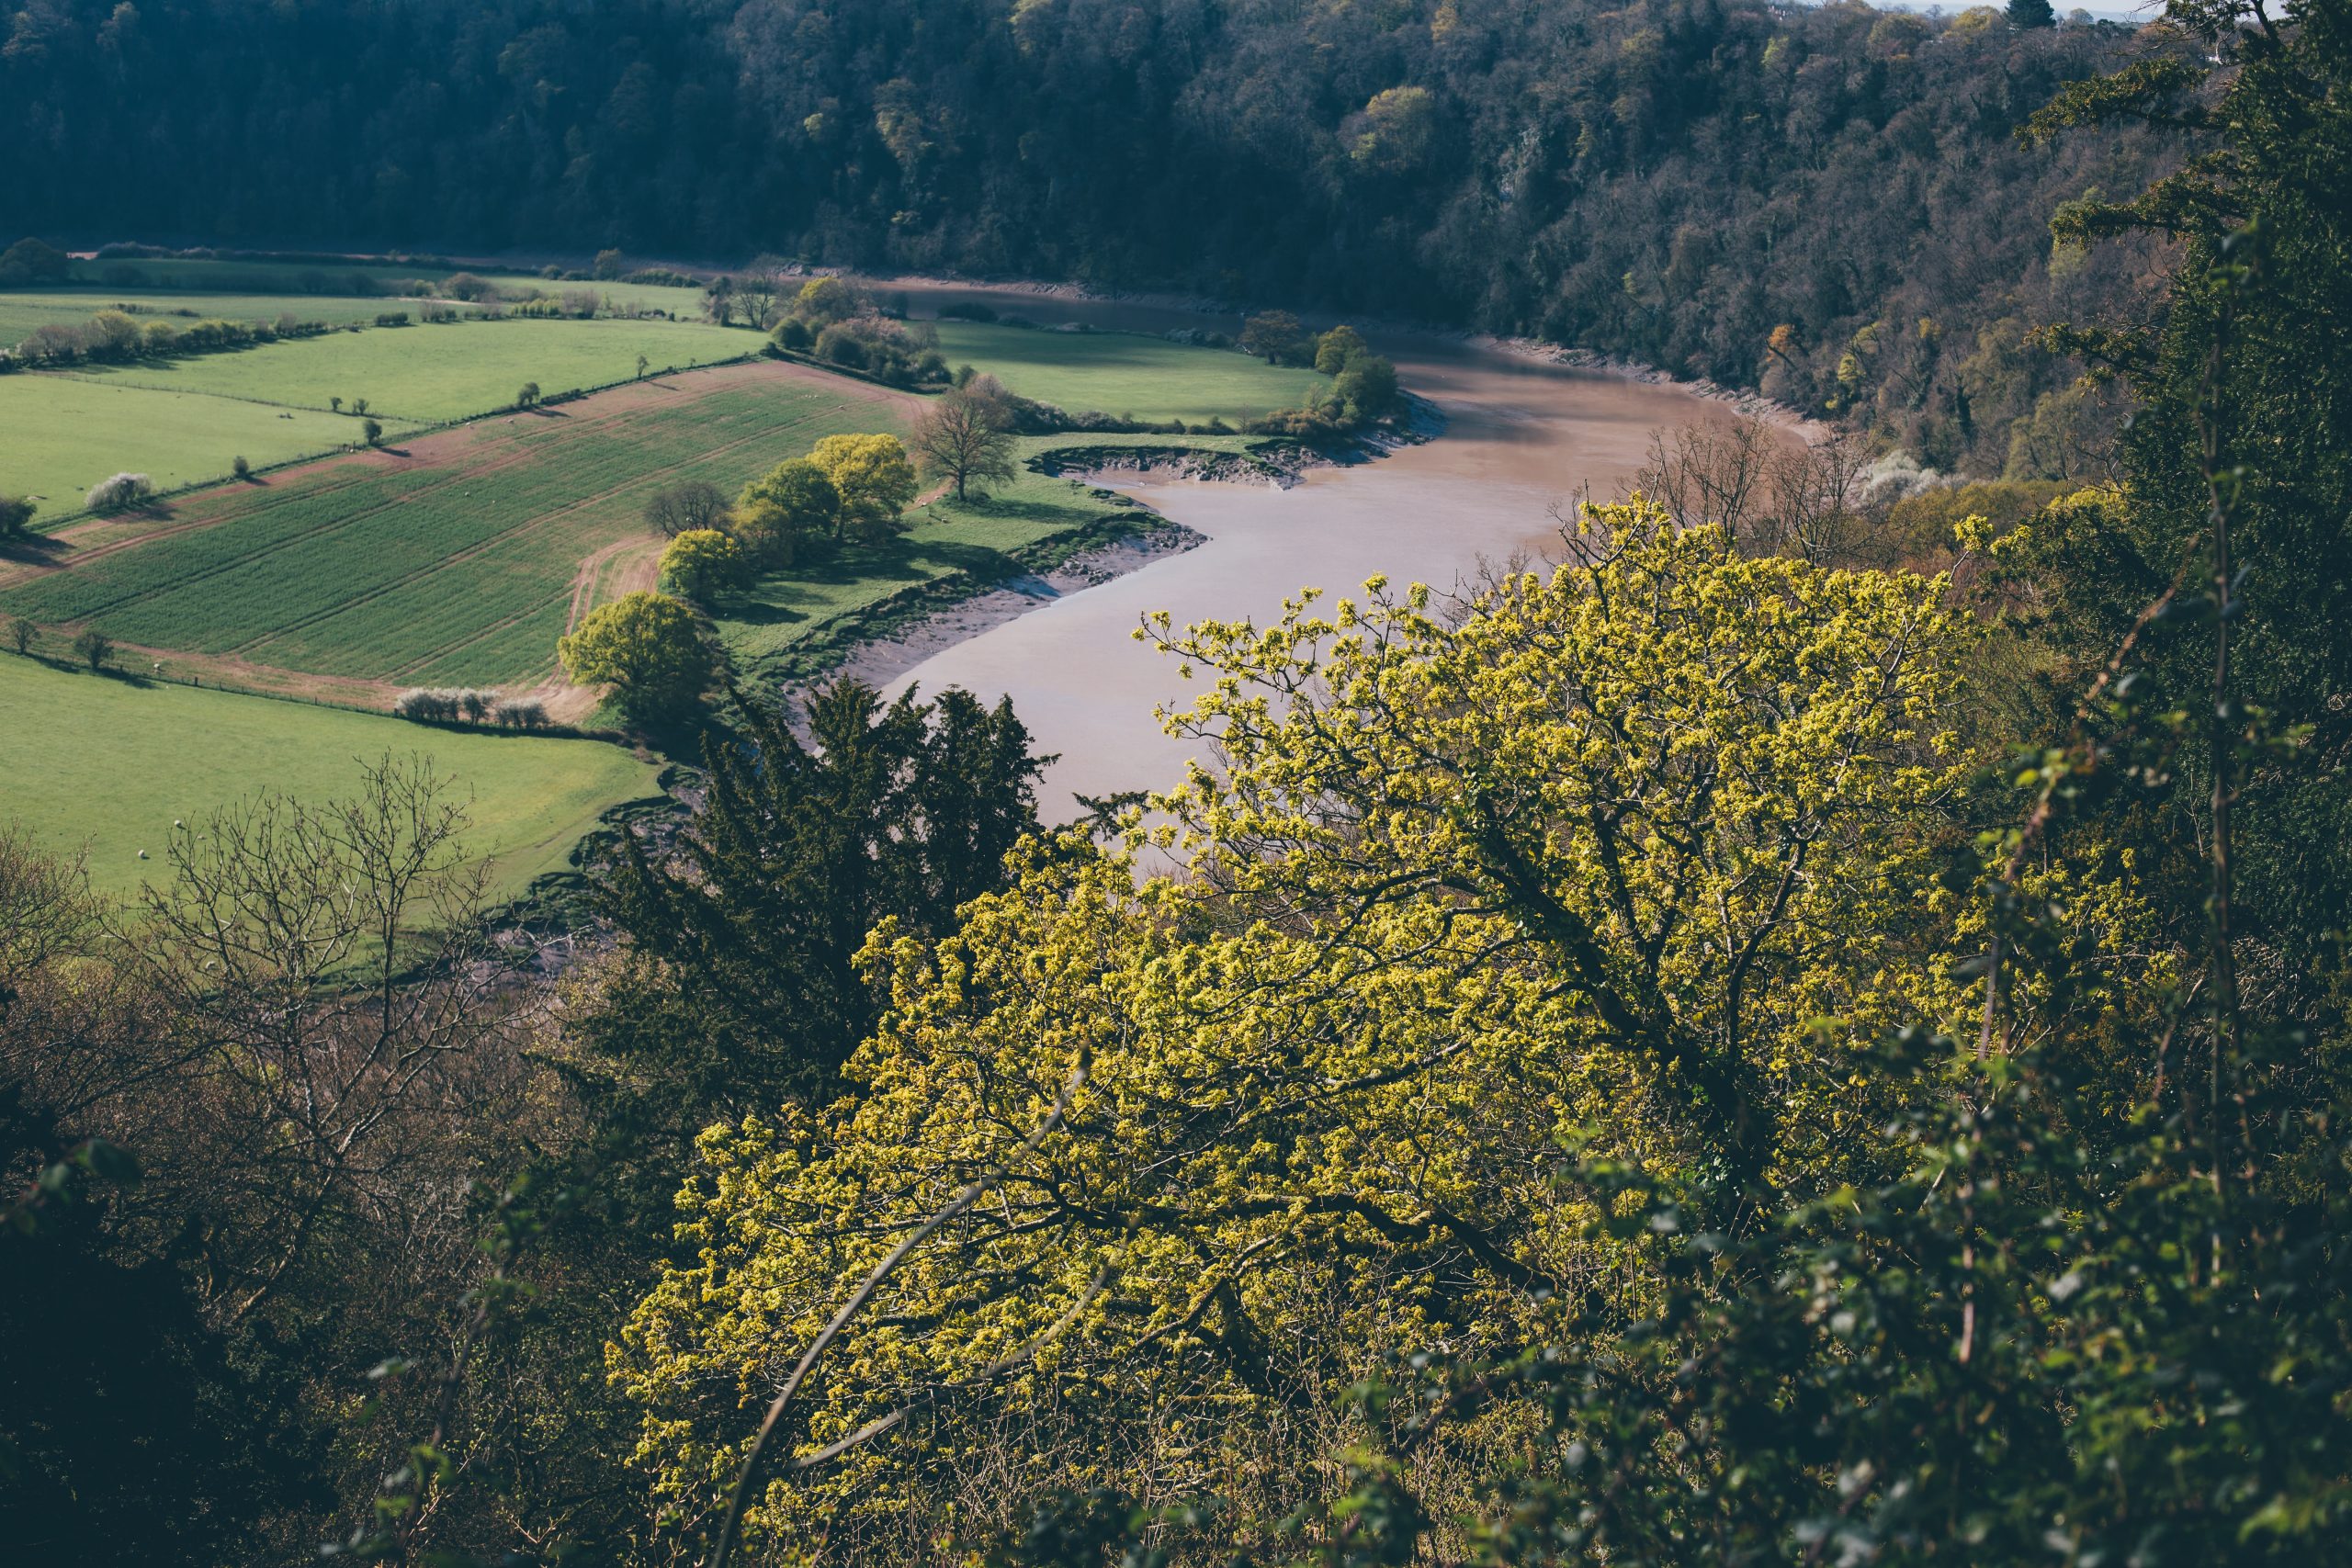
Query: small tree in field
x=240, y=467
x=872, y=476
x=23, y=633
x=700, y=562
x=16, y=517
x=677, y=509
x=359, y=406
x=528, y=398
x=966, y=434
x=334, y=404
x=373, y=429
x=1276, y=337
x=646, y=646
x=94, y=648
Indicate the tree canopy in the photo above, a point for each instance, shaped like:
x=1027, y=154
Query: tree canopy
x=646, y=646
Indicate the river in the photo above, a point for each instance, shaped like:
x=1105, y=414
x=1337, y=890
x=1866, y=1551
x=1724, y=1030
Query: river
x=1521, y=439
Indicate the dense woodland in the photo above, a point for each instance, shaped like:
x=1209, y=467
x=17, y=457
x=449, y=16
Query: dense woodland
x=1825, y=201
x=1709, y=1052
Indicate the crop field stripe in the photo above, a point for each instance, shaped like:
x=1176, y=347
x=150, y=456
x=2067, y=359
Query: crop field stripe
x=335, y=523
x=516, y=451
x=641, y=478
x=521, y=453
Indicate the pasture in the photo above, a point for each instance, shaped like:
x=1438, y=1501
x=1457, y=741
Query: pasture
x=60, y=435
x=102, y=765
x=23, y=313
x=456, y=563
x=1127, y=374
x=429, y=375
x=359, y=279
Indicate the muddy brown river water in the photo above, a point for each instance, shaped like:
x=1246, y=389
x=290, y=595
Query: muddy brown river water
x=1520, y=438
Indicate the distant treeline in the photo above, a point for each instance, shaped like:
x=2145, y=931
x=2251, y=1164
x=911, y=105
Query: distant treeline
x=1825, y=202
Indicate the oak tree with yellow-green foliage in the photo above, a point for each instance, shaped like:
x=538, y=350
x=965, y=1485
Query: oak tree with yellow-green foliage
x=872, y=476
x=1631, y=853
x=646, y=646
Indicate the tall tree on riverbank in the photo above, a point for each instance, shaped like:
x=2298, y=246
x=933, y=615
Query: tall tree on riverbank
x=964, y=434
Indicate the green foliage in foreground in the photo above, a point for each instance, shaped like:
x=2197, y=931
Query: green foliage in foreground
x=105, y=765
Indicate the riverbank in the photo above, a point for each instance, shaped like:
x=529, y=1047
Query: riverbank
x=883, y=657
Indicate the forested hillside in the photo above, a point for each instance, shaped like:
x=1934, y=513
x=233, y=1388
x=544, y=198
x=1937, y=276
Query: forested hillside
x=1828, y=202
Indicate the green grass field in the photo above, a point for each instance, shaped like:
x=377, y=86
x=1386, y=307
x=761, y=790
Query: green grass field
x=21, y=312
x=428, y=375
x=60, y=435
x=102, y=765
x=454, y=569
x=1126, y=374
x=364, y=280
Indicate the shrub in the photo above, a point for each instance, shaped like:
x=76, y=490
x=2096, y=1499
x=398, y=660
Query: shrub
x=373, y=429
x=446, y=705
x=240, y=467
x=839, y=346
x=94, y=648
x=467, y=285
x=1367, y=388
x=121, y=491
x=393, y=319
x=520, y=713
x=419, y=703
x=16, y=516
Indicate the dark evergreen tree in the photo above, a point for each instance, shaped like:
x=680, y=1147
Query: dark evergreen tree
x=757, y=912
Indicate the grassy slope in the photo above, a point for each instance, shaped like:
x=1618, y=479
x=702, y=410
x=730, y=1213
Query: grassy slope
x=378, y=281
x=431, y=374
x=23, y=311
x=1126, y=374
x=456, y=571
x=60, y=435
x=105, y=763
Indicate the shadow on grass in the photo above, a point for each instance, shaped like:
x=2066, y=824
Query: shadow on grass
x=33, y=550
x=887, y=567
x=1018, y=509
x=68, y=664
